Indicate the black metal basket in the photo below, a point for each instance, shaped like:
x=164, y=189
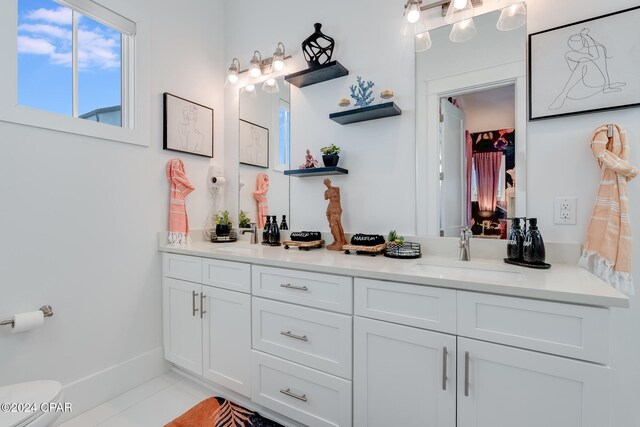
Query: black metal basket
x=231, y=237
x=406, y=250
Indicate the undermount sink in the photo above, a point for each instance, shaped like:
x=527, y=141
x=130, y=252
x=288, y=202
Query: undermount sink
x=471, y=274
x=232, y=248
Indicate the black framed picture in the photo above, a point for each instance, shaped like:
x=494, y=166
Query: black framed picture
x=585, y=67
x=254, y=144
x=188, y=126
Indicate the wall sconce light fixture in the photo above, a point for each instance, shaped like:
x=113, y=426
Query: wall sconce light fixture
x=258, y=68
x=459, y=14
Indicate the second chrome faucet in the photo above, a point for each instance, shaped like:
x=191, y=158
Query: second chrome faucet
x=465, y=250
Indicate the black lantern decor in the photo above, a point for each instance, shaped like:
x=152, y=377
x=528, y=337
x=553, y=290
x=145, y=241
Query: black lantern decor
x=318, y=48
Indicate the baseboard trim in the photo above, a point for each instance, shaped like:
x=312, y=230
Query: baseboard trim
x=241, y=400
x=97, y=388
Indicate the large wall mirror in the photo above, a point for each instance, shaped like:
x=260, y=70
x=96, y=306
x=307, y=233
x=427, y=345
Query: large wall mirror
x=264, y=147
x=471, y=131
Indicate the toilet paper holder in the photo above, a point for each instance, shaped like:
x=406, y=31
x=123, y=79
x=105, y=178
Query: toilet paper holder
x=45, y=309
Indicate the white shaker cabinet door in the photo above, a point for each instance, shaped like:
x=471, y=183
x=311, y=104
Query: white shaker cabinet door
x=182, y=324
x=227, y=338
x=501, y=386
x=403, y=376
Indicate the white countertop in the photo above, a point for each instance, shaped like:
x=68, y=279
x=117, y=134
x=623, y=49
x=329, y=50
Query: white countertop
x=562, y=283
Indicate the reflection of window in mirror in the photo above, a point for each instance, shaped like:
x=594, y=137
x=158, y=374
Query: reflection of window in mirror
x=282, y=160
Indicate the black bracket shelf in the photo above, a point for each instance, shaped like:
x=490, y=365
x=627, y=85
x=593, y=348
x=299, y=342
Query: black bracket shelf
x=301, y=173
x=372, y=112
x=329, y=71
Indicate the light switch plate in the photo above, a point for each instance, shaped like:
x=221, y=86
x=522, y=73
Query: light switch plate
x=564, y=211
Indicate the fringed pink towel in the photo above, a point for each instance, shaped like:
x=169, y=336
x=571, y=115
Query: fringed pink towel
x=262, y=187
x=607, y=251
x=180, y=187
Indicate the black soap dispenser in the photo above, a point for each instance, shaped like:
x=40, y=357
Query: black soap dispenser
x=267, y=230
x=533, y=251
x=274, y=232
x=283, y=224
x=515, y=242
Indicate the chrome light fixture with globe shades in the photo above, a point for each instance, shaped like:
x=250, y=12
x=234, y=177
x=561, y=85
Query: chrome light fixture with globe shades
x=459, y=14
x=260, y=70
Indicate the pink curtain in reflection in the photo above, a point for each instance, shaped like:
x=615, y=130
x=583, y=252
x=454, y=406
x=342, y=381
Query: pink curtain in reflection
x=488, y=171
x=469, y=164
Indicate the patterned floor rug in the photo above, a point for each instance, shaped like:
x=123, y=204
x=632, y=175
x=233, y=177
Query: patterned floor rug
x=219, y=412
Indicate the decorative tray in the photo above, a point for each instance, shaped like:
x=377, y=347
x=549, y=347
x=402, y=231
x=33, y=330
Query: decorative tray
x=232, y=237
x=362, y=250
x=305, y=246
x=538, y=265
x=406, y=250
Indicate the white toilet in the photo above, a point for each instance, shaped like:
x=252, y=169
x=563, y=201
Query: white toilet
x=44, y=394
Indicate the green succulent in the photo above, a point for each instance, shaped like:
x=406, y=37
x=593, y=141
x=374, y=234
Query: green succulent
x=332, y=149
x=223, y=218
x=243, y=220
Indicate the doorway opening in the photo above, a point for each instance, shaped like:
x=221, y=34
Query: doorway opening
x=478, y=161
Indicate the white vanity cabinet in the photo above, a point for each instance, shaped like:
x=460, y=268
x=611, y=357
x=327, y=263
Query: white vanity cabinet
x=327, y=350
x=207, y=329
x=404, y=373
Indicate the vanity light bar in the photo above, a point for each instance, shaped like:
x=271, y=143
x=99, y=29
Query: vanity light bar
x=265, y=65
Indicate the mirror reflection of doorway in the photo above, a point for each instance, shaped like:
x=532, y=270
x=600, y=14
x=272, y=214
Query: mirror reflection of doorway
x=477, y=161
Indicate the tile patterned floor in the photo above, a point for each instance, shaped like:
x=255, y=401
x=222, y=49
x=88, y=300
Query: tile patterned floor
x=152, y=404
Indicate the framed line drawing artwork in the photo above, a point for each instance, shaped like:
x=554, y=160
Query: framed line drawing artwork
x=254, y=144
x=585, y=67
x=188, y=127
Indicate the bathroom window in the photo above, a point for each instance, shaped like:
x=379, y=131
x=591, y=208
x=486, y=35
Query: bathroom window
x=69, y=64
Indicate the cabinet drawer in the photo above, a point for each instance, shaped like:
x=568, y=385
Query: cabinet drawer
x=302, y=394
x=413, y=305
x=182, y=267
x=313, y=338
x=235, y=276
x=323, y=291
x=568, y=330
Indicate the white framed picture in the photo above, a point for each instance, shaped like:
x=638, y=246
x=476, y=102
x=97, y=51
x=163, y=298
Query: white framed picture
x=188, y=127
x=585, y=67
x=254, y=144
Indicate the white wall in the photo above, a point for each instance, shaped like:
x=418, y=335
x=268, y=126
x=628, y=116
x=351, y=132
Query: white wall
x=489, y=109
x=80, y=216
x=378, y=193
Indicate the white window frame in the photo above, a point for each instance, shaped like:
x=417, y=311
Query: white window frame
x=135, y=71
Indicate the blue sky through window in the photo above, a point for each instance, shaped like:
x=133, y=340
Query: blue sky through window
x=45, y=59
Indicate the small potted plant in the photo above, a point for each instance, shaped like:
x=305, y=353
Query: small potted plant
x=330, y=155
x=243, y=220
x=223, y=223
x=394, y=241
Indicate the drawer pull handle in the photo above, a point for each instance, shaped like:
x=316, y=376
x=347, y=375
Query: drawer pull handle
x=466, y=373
x=445, y=356
x=294, y=336
x=297, y=288
x=194, y=294
x=202, y=310
x=295, y=396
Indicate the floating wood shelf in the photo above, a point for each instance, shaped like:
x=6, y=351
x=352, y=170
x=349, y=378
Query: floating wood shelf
x=363, y=114
x=333, y=170
x=329, y=71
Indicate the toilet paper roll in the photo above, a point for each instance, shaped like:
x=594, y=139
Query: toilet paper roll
x=218, y=181
x=23, y=322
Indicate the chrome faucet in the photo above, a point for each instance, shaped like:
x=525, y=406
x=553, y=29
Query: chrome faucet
x=465, y=250
x=254, y=231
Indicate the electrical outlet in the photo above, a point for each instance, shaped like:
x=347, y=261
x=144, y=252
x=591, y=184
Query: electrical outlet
x=565, y=210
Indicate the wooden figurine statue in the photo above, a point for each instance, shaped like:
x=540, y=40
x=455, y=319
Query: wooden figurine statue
x=309, y=161
x=334, y=214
